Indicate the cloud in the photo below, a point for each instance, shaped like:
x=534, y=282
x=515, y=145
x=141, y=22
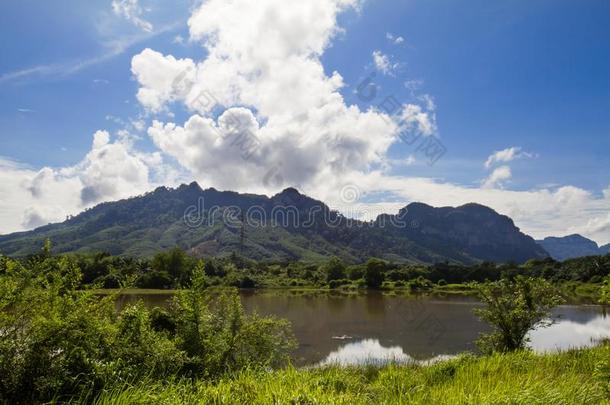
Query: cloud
x=506, y=155
x=383, y=64
x=299, y=130
x=304, y=129
x=111, y=170
x=162, y=79
x=131, y=11
x=280, y=92
x=397, y=40
x=414, y=118
x=540, y=212
x=497, y=177
x=597, y=227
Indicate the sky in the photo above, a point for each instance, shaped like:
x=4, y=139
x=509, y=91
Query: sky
x=367, y=105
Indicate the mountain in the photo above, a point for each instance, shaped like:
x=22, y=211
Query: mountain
x=572, y=246
x=288, y=225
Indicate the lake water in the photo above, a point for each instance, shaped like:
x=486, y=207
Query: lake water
x=376, y=328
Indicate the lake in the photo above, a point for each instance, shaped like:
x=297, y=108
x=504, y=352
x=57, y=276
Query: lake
x=376, y=327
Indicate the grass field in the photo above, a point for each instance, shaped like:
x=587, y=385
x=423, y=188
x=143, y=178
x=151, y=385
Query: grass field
x=572, y=377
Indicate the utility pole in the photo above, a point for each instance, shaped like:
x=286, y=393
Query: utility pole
x=242, y=233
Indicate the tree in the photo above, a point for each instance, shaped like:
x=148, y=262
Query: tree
x=176, y=263
x=605, y=292
x=513, y=308
x=334, y=269
x=47, y=247
x=374, y=273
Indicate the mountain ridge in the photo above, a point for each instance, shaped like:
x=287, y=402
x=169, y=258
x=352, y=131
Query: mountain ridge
x=291, y=225
x=572, y=246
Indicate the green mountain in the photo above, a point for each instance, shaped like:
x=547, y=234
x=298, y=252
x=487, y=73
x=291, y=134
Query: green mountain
x=287, y=226
x=572, y=246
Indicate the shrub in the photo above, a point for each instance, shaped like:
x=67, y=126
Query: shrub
x=58, y=341
x=338, y=283
x=247, y=282
x=605, y=292
x=374, y=273
x=513, y=308
x=218, y=337
x=356, y=272
x=334, y=269
x=420, y=284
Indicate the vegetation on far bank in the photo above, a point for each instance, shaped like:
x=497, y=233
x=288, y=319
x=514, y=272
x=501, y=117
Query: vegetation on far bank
x=173, y=269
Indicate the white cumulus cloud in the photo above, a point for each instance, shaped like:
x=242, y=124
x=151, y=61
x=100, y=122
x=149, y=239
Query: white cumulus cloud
x=111, y=170
x=294, y=111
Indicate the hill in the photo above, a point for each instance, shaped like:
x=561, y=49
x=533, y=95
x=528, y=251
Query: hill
x=572, y=246
x=286, y=226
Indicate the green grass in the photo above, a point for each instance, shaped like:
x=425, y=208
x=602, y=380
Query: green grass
x=572, y=377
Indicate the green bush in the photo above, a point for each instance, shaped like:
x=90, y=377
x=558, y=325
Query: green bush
x=374, y=273
x=58, y=341
x=338, y=283
x=420, y=284
x=513, y=308
x=334, y=269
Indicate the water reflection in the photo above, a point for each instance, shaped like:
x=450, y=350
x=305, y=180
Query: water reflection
x=401, y=328
x=371, y=352
x=578, y=329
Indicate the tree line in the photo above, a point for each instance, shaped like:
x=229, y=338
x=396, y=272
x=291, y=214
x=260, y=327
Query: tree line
x=174, y=268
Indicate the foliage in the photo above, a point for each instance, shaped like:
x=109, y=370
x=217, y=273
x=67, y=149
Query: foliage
x=173, y=269
x=176, y=264
x=420, y=284
x=58, y=340
x=217, y=336
x=334, y=269
x=605, y=292
x=374, y=273
x=513, y=308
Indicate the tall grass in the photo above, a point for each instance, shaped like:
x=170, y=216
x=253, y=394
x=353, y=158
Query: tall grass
x=571, y=377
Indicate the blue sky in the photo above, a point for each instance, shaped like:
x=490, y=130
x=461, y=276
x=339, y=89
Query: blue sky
x=531, y=75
